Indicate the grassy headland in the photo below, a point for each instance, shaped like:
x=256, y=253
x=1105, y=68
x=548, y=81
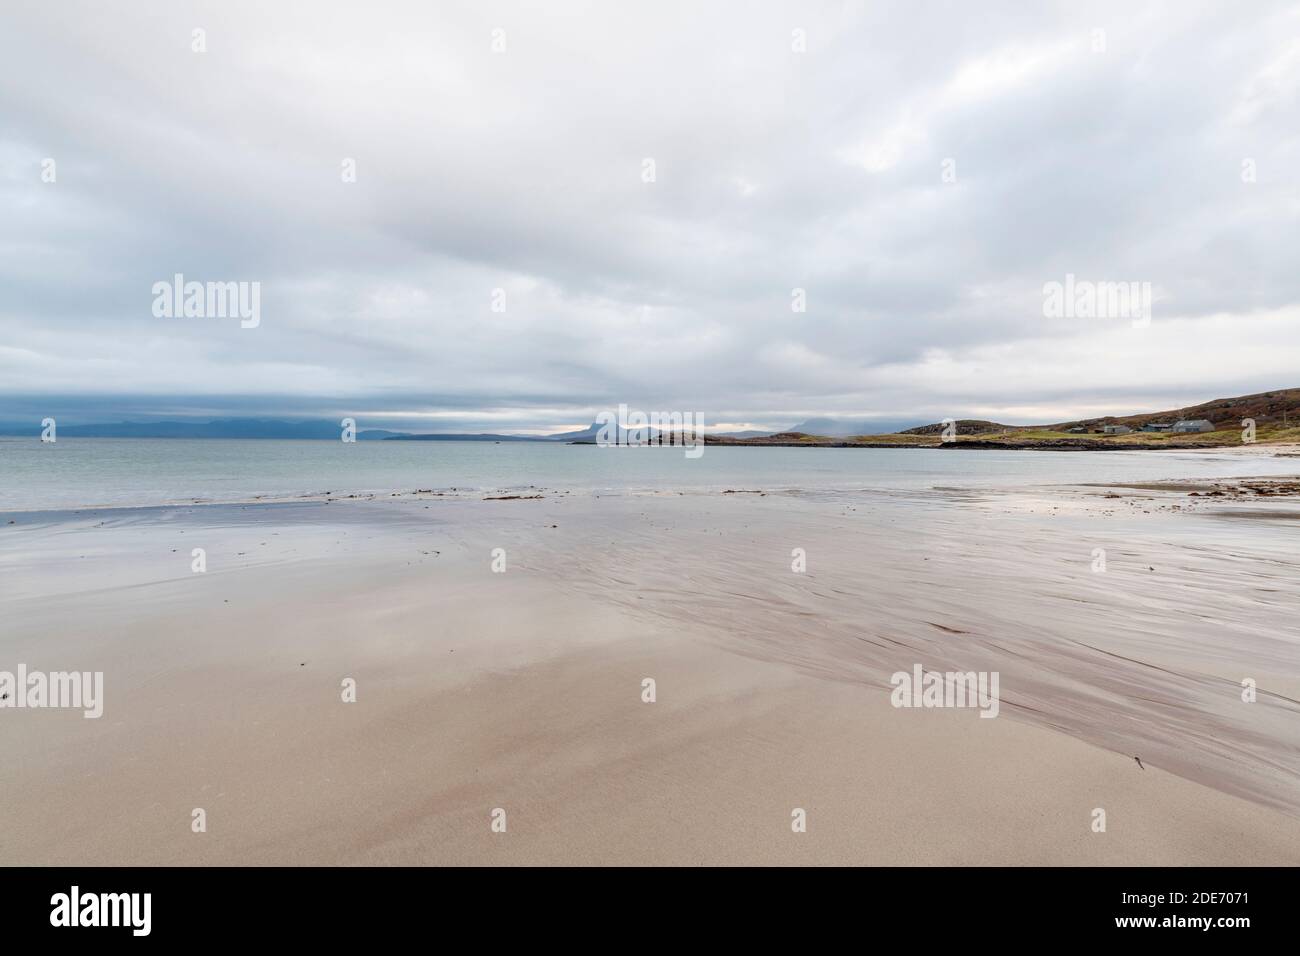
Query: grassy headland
x=1276, y=417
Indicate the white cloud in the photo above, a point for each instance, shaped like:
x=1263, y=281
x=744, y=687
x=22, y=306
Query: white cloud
x=522, y=171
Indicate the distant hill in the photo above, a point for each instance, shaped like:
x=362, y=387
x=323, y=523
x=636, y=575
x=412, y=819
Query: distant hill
x=964, y=426
x=1276, y=415
x=447, y=436
x=1267, y=408
x=273, y=428
x=1270, y=410
x=841, y=427
x=216, y=428
x=584, y=434
x=590, y=434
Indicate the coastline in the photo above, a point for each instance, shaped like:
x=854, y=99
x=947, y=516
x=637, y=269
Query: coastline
x=1279, y=449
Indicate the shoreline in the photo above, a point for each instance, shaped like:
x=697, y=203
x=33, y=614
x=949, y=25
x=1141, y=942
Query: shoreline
x=37, y=481
x=1273, y=486
x=1278, y=449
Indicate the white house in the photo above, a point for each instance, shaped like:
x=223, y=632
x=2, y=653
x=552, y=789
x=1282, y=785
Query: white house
x=1194, y=425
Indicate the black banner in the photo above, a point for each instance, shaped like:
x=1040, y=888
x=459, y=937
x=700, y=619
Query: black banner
x=330, y=905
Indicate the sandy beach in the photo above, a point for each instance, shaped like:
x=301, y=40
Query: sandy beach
x=567, y=434
x=522, y=689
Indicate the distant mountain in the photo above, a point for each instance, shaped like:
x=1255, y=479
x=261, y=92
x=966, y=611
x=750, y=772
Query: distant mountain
x=452, y=437
x=326, y=429
x=216, y=428
x=584, y=434
x=592, y=432
x=962, y=426
x=841, y=427
x=1274, y=408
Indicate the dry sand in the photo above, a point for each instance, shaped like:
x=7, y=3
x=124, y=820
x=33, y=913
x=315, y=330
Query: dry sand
x=523, y=690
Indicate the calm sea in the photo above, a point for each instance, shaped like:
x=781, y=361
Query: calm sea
x=124, y=471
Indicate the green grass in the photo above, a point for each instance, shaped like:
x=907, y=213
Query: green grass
x=893, y=439
x=1221, y=438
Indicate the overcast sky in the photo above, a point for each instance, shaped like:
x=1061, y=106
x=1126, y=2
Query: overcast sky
x=523, y=170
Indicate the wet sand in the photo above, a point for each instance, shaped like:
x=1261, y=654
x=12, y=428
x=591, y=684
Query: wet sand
x=522, y=690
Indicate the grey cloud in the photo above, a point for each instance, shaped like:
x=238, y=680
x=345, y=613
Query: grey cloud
x=521, y=171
